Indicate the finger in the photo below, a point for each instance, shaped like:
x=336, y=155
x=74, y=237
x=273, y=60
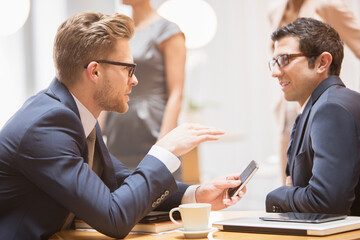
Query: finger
x=239, y=196
x=198, y=126
x=235, y=176
x=231, y=201
x=243, y=190
x=210, y=131
x=205, y=129
x=241, y=193
x=224, y=184
x=195, y=126
x=227, y=202
x=205, y=138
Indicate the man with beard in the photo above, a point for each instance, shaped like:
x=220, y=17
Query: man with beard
x=53, y=162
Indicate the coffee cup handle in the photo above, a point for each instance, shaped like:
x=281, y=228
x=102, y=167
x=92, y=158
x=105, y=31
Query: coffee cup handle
x=171, y=217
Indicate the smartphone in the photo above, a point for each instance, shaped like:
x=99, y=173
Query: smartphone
x=245, y=176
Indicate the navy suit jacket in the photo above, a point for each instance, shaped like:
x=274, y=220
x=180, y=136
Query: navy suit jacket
x=324, y=163
x=44, y=175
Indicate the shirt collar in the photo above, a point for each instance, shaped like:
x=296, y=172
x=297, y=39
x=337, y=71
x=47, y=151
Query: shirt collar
x=87, y=119
x=303, y=106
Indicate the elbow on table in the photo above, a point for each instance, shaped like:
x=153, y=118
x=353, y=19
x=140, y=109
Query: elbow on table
x=117, y=233
x=114, y=229
x=331, y=205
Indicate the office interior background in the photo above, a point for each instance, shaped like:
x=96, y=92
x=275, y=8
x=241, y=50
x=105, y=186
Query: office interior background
x=228, y=83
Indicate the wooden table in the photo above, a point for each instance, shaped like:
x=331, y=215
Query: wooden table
x=216, y=235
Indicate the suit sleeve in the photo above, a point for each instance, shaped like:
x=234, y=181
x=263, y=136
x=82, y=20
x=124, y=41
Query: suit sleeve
x=335, y=172
x=51, y=157
x=174, y=199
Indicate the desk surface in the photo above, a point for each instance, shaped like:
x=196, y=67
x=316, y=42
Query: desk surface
x=215, y=216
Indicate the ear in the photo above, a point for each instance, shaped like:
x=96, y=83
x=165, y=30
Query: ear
x=323, y=62
x=93, y=71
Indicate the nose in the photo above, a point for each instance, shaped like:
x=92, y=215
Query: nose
x=133, y=80
x=276, y=71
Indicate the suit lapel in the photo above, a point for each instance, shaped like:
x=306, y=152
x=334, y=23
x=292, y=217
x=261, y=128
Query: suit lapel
x=108, y=175
x=301, y=127
x=59, y=91
x=299, y=133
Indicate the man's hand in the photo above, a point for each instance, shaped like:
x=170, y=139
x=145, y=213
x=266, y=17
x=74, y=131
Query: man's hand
x=215, y=192
x=187, y=136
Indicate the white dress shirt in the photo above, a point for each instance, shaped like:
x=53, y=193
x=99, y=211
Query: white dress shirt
x=170, y=160
x=303, y=106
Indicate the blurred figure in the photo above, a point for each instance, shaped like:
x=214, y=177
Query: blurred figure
x=159, y=50
x=337, y=14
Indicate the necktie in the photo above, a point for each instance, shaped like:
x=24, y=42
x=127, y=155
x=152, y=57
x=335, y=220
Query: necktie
x=91, y=149
x=292, y=135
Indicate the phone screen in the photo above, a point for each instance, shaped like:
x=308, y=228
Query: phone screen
x=245, y=176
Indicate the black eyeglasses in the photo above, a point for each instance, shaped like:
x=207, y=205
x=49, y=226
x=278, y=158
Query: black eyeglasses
x=131, y=66
x=283, y=60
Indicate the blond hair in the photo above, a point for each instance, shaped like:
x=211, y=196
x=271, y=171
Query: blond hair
x=85, y=37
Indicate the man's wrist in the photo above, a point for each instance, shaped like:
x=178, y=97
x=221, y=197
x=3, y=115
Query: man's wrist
x=190, y=194
x=166, y=157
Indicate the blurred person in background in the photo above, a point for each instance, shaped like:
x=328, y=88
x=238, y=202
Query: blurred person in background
x=334, y=12
x=158, y=48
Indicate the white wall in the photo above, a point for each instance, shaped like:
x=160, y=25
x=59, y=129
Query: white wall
x=229, y=77
x=234, y=85
x=12, y=64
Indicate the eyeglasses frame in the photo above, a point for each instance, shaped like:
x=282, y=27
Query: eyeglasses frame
x=131, y=65
x=289, y=56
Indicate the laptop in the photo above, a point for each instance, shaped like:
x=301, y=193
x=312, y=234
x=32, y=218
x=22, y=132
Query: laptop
x=253, y=224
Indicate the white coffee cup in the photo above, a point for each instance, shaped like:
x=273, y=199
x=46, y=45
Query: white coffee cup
x=194, y=216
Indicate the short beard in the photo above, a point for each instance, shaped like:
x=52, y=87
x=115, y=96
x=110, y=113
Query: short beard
x=106, y=100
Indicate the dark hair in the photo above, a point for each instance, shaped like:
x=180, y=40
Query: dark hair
x=315, y=38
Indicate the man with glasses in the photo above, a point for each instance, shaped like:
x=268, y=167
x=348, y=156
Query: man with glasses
x=53, y=162
x=324, y=150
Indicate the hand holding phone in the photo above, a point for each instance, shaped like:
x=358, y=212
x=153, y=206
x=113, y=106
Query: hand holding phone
x=245, y=176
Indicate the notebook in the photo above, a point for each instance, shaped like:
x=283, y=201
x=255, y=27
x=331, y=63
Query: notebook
x=153, y=222
x=159, y=216
x=155, y=227
x=254, y=224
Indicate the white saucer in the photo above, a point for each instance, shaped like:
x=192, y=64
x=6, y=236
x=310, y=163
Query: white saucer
x=195, y=234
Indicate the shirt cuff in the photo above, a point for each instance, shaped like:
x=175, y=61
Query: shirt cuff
x=189, y=194
x=166, y=157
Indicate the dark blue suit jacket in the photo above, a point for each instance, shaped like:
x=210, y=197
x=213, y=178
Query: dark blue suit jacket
x=44, y=174
x=325, y=160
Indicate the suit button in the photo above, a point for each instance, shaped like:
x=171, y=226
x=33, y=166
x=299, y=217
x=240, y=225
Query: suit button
x=276, y=209
x=154, y=204
x=166, y=192
x=162, y=197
